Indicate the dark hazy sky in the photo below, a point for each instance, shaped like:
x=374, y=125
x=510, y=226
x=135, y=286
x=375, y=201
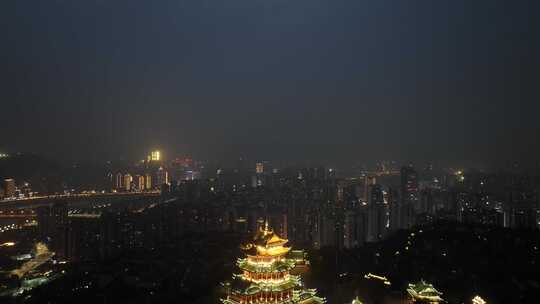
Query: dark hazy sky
x=272, y=79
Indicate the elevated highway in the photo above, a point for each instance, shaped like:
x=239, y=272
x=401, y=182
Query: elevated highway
x=34, y=202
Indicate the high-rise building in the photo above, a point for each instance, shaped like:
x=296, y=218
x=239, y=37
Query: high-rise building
x=110, y=234
x=162, y=177
x=119, y=181
x=139, y=182
x=59, y=227
x=59, y=213
x=377, y=214
x=355, y=228
x=394, y=206
x=43, y=214
x=265, y=274
x=127, y=181
x=148, y=181
x=155, y=156
x=259, y=168
x=9, y=187
x=368, y=182
x=409, y=184
x=82, y=240
x=408, y=197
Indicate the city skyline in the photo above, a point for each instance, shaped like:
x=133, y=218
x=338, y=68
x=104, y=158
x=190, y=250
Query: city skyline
x=374, y=236
x=269, y=151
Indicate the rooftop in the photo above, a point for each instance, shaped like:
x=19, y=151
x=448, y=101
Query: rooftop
x=424, y=291
x=268, y=243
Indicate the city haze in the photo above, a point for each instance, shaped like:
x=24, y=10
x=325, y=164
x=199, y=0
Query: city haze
x=448, y=81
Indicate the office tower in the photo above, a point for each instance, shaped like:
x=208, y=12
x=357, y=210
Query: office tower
x=409, y=196
x=9, y=187
x=265, y=274
x=127, y=181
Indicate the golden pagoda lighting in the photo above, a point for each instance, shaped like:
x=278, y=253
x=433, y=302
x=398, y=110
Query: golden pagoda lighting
x=265, y=274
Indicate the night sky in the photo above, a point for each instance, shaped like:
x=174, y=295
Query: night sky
x=271, y=79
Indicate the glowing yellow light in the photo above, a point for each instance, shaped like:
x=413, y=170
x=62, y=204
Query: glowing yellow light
x=478, y=300
x=8, y=244
x=259, y=168
x=155, y=155
x=377, y=277
x=272, y=281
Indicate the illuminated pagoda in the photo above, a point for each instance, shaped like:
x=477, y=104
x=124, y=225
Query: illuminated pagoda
x=423, y=292
x=266, y=274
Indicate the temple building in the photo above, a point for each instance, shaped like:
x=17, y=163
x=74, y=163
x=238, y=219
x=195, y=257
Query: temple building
x=265, y=273
x=423, y=292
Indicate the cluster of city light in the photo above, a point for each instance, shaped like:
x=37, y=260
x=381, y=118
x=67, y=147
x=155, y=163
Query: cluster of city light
x=7, y=244
x=88, y=193
x=9, y=227
x=30, y=223
x=4, y=155
x=13, y=212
